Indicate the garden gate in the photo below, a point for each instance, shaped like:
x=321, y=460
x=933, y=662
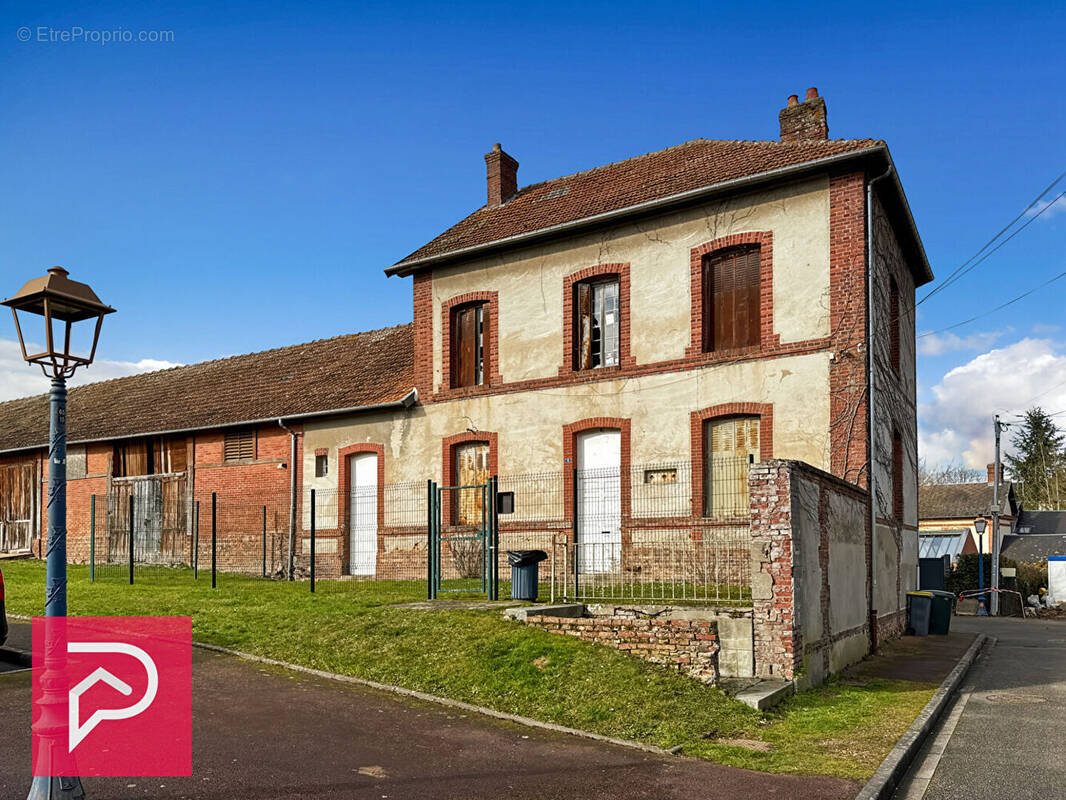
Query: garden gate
x=464, y=539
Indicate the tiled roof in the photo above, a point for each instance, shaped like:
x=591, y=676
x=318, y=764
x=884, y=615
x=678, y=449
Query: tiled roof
x=1033, y=547
x=1041, y=522
x=654, y=176
x=960, y=500
x=344, y=372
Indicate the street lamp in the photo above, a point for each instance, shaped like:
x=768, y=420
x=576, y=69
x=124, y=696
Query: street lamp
x=62, y=303
x=979, y=526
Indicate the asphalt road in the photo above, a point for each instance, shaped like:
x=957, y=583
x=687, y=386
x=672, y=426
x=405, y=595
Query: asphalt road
x=1002, y=737
x=269, y=733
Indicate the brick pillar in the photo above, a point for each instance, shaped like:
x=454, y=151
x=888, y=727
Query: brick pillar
x=772, y=586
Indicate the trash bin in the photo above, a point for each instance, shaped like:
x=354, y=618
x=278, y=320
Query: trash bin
x=919, y=611
x=943, y=608
x=524, y=572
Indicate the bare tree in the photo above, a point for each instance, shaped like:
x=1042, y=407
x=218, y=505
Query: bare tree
x=947, y=473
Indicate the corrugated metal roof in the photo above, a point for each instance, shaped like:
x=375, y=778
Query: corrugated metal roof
x=941, y=543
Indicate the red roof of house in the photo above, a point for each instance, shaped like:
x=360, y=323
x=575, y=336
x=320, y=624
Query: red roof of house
x=655, y=176
x=361, y=369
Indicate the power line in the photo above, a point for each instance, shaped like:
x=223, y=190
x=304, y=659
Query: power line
x=984, y=313
x=962, y=268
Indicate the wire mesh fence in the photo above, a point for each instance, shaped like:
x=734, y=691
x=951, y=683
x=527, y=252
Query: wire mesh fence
x=665, y=532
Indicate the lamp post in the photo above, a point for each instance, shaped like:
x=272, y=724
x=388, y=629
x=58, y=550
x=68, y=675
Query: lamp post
x=62, y=303
x=979, y=526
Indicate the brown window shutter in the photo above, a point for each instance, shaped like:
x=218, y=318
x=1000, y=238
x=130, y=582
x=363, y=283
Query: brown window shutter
x=583, y=357
x=237, y=445
x=731, y=301
x=465, y=346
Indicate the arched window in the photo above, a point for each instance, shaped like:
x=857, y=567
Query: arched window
x=468, y=345
x=731, y=299
x=730, y=446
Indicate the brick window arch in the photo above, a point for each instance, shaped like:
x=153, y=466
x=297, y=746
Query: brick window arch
x=571, y=308
x=701, y=316
x=697, y=422
x=489, y=304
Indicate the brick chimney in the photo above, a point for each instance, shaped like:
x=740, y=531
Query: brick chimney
x=992, y=474
x=502, y=173
x=806, y=121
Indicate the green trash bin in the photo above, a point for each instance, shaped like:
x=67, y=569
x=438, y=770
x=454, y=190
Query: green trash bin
x=942, y=611
x=919, y=612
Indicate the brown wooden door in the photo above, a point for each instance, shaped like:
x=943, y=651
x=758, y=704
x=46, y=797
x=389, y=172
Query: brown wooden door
x=17, y=495
x=471, y=469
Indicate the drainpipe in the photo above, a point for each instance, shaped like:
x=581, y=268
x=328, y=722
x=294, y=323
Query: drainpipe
x=292, y=496
x=871, y=430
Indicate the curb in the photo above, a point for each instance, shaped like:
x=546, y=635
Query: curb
x=429, y=698
x=9, y=655
x=887, y=777
x=442, y=701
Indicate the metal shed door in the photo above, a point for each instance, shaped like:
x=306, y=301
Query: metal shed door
x=599, y=501
x=363, y=511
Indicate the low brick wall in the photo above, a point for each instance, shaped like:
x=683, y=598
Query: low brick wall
x=688, y=645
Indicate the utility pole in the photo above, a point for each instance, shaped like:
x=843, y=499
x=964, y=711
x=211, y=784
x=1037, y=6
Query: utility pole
x=999, y=426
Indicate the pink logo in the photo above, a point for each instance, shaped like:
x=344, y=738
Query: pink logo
x=112, y=696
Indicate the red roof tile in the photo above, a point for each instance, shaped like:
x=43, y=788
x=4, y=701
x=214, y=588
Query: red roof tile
x=613, y=187
x=344, y=372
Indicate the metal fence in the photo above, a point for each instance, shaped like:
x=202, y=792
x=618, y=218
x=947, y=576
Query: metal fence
x=651, y=533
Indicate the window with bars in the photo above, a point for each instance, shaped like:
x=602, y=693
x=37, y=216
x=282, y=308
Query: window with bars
x=597, y=324
x=468, y=345
x=239, y=445
x=731, y=301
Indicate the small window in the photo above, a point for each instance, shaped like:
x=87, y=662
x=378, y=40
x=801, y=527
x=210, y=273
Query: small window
x=597, y=322
x=731, y=303
x=239, y=445
x=894, y=331
x=468, y=346
x=321, y=466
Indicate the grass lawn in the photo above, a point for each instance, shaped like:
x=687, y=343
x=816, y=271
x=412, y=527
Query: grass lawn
x=842, y=729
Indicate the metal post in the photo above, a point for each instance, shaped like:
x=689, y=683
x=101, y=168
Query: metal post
x=54, y=700
x=574, y=538
x=995, y=522
x=430, y=594
x=312, y=541
x=214, y=540
x=196, y=544
x=982, y=609
x=92, y=537
x=494, y=533
x=131, y=544
x=264, y=541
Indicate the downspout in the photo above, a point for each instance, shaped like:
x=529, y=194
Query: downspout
x=871, y=430
x=292, y=497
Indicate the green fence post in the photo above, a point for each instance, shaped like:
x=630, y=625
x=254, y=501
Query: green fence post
x=494, y=533
x=312, y=541
x=131, y=540
x=196, y=543
x=577, y=570
x=264, y=541
x=214, y=540
x=92, y=537
x=429, y=539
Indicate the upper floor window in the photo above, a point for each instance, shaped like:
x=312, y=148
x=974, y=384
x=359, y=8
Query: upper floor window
x=597, y=324
x=893, y=321
x=468, y=345
x=731, y=303
x=156, y=455
x=238, y=445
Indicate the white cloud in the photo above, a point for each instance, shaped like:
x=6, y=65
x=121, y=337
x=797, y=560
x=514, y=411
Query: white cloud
x=957, y=424
x=1042, y=329
x=19, y=379
x=936, y=344
x=1055, y=206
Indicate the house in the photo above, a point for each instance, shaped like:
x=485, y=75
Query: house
x=1040, y=538
x=950, y=509
x=662, y=355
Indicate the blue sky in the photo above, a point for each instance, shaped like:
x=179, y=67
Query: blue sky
x=242, y=186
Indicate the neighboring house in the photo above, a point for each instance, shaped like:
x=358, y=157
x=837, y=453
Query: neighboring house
x=950, y=508
x=1039, y=536
x=666, y=320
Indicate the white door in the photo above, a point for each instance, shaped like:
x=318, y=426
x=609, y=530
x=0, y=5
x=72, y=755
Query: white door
x=363, y=522
x=599, y=501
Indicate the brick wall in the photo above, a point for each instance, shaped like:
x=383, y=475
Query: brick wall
x=689, y=646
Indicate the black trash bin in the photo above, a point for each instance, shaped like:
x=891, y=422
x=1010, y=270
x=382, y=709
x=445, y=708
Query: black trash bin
x=525, y=572
x=919, y=612
x=940, y=616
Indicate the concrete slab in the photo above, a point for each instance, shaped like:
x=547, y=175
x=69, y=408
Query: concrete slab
x=765, y=694
x=571, y=610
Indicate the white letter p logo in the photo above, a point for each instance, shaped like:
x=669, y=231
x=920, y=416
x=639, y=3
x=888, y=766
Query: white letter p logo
x=76, y=732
